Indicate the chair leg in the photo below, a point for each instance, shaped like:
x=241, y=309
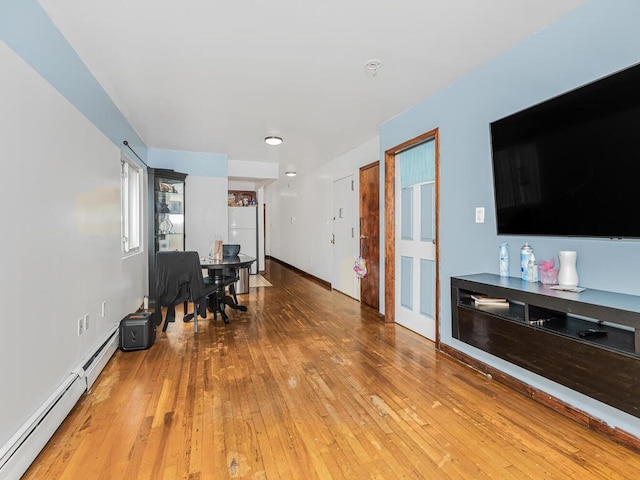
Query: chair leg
x=195, y=319
x=170, y=316
x=232, y=291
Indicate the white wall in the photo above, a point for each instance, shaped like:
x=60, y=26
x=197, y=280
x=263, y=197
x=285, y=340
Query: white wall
x=206, y=216
x=60, y=241
x=299, y=212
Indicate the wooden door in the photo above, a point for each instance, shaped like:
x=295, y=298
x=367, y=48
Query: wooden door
x=370, y=233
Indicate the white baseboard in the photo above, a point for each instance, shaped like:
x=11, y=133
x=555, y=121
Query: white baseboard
x=24, y=446
x=100, y=359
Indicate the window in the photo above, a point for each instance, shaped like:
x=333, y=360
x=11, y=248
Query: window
x=131, y=194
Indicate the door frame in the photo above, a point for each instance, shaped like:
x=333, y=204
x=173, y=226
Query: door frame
x=390, y=226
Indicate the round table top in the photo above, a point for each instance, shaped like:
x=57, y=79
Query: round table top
x=237, y=261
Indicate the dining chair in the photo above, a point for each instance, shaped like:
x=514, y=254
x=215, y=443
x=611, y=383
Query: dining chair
x=179, y=279
x=231, y=274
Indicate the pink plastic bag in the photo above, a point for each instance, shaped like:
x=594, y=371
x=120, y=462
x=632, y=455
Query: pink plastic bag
x=548, y=274
x=360, y=267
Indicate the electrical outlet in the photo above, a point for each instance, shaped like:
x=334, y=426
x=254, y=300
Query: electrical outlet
x=86, y=322
x=80, y=326
x=104, y=309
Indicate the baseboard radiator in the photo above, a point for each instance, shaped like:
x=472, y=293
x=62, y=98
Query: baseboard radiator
x=25, y=445
x=95, y=365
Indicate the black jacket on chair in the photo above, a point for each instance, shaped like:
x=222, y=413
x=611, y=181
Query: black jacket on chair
x=179, y=279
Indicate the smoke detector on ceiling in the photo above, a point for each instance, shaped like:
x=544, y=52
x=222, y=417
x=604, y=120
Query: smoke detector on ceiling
x=372, y=66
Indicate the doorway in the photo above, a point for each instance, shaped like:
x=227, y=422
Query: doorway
x=411, y=235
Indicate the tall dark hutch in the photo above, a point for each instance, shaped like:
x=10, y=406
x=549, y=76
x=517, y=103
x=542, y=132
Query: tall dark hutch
x=166, y=216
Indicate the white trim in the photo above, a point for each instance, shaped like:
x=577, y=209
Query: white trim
x=101, y=358
x=23, y=447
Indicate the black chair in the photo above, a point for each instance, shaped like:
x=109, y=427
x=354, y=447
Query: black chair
x=231, y=274
x=179, y=279
x=230, y=250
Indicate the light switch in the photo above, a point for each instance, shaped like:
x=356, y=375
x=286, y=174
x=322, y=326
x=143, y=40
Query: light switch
x=479, y=214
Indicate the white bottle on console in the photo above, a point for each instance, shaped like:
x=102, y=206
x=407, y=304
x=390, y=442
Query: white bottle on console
x=568, y=274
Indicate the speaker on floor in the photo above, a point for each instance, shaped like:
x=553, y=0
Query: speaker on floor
x=137, y=331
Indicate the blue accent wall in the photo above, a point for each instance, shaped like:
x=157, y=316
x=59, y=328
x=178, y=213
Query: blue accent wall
x=28, y=31
x=593, y=41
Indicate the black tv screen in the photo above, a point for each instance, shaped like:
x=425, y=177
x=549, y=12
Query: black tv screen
x=570, y=166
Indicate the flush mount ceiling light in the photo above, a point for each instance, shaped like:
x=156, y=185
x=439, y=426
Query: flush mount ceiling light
x=372, y=66
x=273, y=140
x=290, y=171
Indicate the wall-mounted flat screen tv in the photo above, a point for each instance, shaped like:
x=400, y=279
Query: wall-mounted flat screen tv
x=570, y=166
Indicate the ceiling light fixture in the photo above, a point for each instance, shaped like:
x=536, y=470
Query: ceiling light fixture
x=372, y=66
x=290, y=171
x=272, y=140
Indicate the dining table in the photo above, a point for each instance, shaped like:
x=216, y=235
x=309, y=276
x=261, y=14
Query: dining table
x=222, y=271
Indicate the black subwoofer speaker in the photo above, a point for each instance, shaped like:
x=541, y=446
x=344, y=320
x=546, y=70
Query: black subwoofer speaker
x=137, y=331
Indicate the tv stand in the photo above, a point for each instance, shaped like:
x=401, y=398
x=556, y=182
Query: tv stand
x=538, y=329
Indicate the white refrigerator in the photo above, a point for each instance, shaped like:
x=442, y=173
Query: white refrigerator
x=243, y=230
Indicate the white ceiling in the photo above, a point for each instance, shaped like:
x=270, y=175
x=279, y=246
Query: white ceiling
x=212, y=76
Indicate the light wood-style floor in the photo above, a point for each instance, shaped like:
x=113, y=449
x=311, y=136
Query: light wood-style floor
x=311, y=385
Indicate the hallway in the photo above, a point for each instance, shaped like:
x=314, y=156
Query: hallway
x=309, y=384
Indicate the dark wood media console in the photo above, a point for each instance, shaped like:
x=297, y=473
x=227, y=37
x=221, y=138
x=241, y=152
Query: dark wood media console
x=538, y=329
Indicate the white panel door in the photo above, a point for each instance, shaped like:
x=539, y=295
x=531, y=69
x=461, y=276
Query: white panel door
x=345, y=244
x=415, y=257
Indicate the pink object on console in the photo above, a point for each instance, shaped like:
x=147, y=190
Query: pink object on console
x=548, y=274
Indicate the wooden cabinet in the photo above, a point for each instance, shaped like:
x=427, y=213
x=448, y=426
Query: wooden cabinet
x=539, y=329
x=166, y=216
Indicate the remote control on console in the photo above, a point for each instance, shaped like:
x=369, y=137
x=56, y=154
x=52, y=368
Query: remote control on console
x=592, y=333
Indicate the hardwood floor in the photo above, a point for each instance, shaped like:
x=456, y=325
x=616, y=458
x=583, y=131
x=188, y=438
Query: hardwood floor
x=309, y=384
